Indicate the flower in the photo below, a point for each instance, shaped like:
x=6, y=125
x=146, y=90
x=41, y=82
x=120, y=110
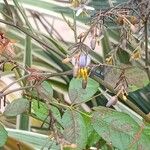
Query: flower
x=83, y=9
x=80, y=61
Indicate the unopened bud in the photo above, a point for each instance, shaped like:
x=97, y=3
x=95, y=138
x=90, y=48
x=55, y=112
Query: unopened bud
x=81, y=35
x=93, y=43
x=112, y=101
x=75, y=70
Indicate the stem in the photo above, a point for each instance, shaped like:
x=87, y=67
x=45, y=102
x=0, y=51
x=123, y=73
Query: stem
x=146, y=49
x=75, y=27
x=24, y=121
x=4, y=89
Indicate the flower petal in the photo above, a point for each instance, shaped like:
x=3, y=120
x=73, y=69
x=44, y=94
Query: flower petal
x=79, y=11
x=84, y=60
x=89, y=8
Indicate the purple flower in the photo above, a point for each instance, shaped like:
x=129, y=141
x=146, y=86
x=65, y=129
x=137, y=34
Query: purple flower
x=84, y=60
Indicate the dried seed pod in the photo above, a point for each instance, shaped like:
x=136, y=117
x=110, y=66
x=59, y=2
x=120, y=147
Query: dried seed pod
x=93, y=43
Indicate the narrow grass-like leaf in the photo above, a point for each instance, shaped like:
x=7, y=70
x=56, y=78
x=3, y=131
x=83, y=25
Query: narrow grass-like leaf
x=3, y=135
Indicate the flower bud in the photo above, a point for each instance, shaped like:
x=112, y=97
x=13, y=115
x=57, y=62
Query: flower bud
x=75, y=70
x=112, y=101
x=93, y=43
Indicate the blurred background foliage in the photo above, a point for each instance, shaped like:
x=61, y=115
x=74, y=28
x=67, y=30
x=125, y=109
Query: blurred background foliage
x=48, y=26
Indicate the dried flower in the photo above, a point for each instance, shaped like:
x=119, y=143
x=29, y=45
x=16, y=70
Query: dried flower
x=136, y=54
x=6, y=46
x=109, y=60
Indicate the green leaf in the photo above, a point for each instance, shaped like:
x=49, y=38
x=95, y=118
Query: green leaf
x=74, y=129
x=41, y=111
x=47, y=88
x=16, y=107
x=3, y=135
x=93, y=136
x=119, y=129
x=36, y=140
x=79, y=95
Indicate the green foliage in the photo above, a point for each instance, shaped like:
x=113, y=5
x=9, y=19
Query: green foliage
x=79, y=95
x=74, y=128
x=119, y=129
x=68, y=119
x=3, y=135
x=16, y=107
x=46, y=89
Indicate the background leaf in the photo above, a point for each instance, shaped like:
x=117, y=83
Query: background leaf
x=3, y=135
x=16, y=107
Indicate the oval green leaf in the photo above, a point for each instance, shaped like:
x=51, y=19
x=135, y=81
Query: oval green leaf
x=16, y=107
x=79, y=95
x=74, y=129
x=119, y=129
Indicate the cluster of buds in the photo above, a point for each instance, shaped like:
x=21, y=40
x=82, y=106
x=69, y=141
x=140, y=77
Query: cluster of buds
x=6, y=46
x=80, y=61
x=131, y=21
x=121, y=87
